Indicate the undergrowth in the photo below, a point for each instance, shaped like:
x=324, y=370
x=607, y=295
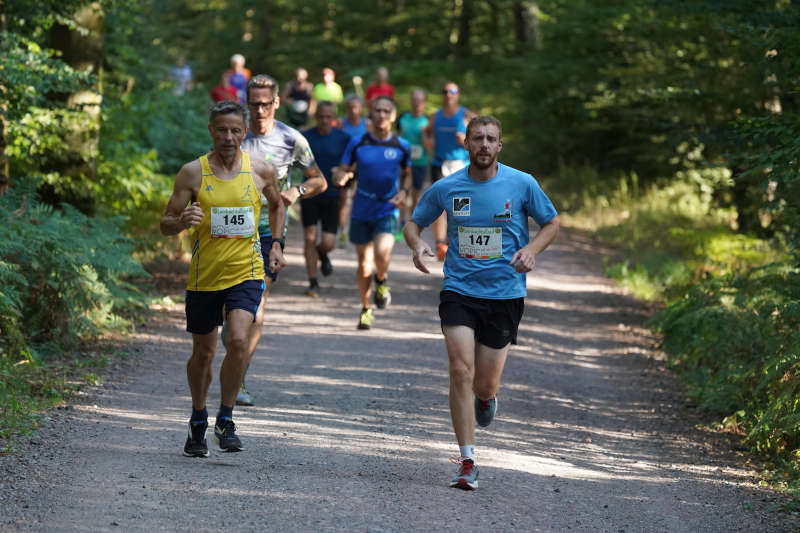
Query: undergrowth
x=731, y=323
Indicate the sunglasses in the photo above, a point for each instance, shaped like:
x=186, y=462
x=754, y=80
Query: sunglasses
x=449, y=91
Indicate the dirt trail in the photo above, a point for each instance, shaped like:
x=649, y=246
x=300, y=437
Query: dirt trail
x=351, y=430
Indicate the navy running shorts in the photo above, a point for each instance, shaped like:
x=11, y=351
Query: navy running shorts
x=363, y=231
x=418, y=175
x=204, y=308
x=495, y=322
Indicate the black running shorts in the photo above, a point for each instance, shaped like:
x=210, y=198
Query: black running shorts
x=321, y=208
x=495, y=322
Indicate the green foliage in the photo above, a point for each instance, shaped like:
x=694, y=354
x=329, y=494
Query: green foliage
x=736, y=341
x=64, y=276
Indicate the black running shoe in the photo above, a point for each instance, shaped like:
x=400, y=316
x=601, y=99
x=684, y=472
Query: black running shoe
x=196, y=445
x=225, y=436
x=325, y=265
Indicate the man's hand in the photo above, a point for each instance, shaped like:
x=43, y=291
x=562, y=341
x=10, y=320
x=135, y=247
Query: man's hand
x=400, y=199
x=421, y=251
x=340, y=177
x=523, y=260
x=192, y=215
x=289, y=197
x=276, y=259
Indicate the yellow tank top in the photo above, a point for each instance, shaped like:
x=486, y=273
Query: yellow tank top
x=226, y=249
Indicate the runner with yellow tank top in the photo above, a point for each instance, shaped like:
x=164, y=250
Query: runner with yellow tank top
x=219, y=197
x=226, y=249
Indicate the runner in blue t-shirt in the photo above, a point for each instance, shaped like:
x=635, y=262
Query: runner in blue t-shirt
x=487, y=206
x=327, y=144
x=411, y=126
x=444, y=136
x=380, y=163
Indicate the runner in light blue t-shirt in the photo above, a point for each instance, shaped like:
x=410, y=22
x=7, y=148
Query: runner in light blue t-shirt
x=482, y=300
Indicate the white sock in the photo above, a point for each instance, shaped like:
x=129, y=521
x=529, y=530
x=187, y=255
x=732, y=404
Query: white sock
x=468, y=451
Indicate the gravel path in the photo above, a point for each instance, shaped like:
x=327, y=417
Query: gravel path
x=351, y=430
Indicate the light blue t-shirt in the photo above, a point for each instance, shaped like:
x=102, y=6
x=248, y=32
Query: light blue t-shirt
x=487, y=223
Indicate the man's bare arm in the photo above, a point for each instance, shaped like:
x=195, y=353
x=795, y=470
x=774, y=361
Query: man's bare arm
x=525, y=258
x=412, y=232
x=179, y=213
x=314, y=183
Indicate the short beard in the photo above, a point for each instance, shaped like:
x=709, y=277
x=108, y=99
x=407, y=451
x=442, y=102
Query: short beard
x=473, y=162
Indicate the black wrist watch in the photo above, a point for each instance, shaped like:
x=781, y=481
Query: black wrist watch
x=302, y=190
x=282, y=242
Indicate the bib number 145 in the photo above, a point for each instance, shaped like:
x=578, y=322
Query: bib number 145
x=232, y=222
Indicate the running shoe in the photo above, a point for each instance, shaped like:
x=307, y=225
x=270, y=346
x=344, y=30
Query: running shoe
x=343, y=240
x=244, y=398
x=383, y=296
x=196, y=445
x=225, y=436
x=467, y=477
x=441, y=251
x=366, y=319
x=325, y=265
x=485, y=411
x=313, y=291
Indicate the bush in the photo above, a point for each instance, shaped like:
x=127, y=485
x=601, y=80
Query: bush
x=64, y=276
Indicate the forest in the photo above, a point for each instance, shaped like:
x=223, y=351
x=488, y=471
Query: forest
x=668, y=129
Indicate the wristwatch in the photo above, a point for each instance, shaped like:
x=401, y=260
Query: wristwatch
x=301, y=189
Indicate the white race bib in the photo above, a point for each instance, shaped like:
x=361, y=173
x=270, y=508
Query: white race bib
x=232, y=222
x=480, y=243
x=417, y=151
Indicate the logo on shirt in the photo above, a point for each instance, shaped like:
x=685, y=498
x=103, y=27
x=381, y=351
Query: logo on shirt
x=461, y=207
x=209, y=188
x=505, y=214
x=246, y=195
x=390, y=153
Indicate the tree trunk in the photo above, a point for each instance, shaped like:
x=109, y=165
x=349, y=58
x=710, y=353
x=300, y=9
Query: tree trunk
x=526, y=25
x=4, y=172
x=465, y=28
x=82, y=48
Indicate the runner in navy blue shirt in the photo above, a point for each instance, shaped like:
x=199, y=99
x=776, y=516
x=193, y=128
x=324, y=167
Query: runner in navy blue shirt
x=487, y=206
x=327, y=144
x=381, y=164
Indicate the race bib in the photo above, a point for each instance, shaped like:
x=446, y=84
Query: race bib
x=480, y=243
x=232, y=222
x=417, y=151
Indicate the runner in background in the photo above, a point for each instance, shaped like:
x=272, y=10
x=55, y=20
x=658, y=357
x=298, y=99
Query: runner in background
x=381, y=87
x=411, y=126
x=238, y=76
x=297, y=98
x=284, y=147
x=380, y=162
x=224, y=91
x=444, y=136
x=355, y=125
x=328, y=90
x=328, y=145
x=487, y=206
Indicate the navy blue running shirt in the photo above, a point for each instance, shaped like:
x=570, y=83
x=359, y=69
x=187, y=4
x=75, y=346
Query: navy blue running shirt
x=487, y=222
x=379, y=165
x=327, y=150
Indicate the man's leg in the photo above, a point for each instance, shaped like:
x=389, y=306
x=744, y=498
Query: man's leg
x=489, y=363
x=198, y=368
x=311, y=254
x=384, y=242
x=366, y=265
x=237, y=356
x=460, y=344
x=198, y=373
